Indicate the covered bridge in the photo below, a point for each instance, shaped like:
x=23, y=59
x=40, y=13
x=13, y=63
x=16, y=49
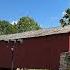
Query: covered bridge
x=35, y=49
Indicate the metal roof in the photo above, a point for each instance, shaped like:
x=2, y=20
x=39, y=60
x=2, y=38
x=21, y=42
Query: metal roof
x=37, y=33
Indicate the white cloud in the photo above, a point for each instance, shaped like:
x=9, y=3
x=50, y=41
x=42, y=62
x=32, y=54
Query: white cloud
x=14, y=22
x=63, y=13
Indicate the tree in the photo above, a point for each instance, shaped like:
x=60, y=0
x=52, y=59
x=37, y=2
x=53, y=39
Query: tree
x=3, y=26
x=27, y=24
x=24, y=24
x=66, y=18
x=6, y=27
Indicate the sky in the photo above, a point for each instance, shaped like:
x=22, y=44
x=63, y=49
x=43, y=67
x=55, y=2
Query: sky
x=46, y=12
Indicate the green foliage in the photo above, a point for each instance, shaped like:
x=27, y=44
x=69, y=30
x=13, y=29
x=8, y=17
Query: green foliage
x=6, y=27
x=66, y=18
x=27, y=24
x=24, y=24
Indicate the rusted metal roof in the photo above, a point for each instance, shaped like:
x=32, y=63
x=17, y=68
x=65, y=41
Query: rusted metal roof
x=37, y=33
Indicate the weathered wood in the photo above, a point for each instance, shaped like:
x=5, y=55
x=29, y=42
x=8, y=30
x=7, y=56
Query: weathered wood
x=65, y=61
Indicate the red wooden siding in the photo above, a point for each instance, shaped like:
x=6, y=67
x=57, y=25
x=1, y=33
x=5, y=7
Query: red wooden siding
x=39, y=52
